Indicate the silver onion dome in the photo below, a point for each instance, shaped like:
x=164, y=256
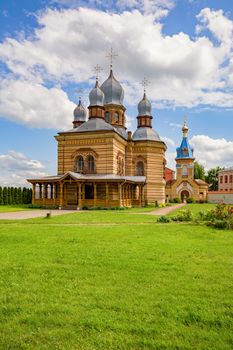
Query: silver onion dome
x=145, y=134
x=144, y=106
x=80, y=113
x=96, y=96
x=112, y=90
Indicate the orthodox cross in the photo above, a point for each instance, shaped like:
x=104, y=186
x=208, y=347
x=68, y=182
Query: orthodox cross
x=79, y=91
x=97, y=69
x=145, y=83
x=111, y=55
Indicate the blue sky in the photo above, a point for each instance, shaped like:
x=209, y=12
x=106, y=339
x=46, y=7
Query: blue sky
x=48, y=50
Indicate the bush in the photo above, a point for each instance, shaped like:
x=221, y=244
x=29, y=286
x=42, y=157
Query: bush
x=183, y=215
x=221, y=217
x=190, y=200
x=85, y=207
x=176, y=200
x=163, y=219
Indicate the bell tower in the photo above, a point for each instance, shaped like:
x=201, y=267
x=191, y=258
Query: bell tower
x=185, y=159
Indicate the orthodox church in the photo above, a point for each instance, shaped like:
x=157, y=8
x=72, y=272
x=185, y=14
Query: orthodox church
x=185, y=186
x=102, y=164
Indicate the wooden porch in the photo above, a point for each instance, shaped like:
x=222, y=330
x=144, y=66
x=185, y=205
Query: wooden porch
x=78, y=194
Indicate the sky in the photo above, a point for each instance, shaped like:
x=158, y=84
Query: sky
x=48, y=49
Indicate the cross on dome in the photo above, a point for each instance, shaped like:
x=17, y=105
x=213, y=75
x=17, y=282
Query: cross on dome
x=97, y=69
x=111, y=55
x=145, y=82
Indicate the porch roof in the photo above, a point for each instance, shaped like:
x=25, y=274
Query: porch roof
x=90, y=177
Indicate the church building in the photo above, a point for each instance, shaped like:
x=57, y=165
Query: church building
x=185, y=186
x=100, y=162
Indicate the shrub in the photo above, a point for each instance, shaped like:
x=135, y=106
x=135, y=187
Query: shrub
x=85, y=207
x=163, y=219
x=177, y=200
x=190, y=200
x=220, y=217
x=183, y=215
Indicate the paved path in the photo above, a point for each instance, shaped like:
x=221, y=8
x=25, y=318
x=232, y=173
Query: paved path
x=165, y=210
x=29, y=214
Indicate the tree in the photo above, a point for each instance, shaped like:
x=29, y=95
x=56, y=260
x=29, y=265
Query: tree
x=4, y=196
x=199, y=171
x=212, y=178
x=1, y=199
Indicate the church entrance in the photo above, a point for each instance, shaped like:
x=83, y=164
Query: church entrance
x=184, y=195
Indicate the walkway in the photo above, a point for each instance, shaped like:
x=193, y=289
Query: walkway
x=29, y=214
x=165, y=210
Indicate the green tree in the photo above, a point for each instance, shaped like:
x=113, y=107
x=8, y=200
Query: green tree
x=5, y=196
x=1, y=198
x=212, y=178
x=199, y=171
x=20, y=201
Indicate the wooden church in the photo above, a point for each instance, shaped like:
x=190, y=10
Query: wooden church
x=100, y=163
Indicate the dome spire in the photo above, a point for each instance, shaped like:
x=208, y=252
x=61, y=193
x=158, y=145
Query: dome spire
x=111, y=55
x=185, y=129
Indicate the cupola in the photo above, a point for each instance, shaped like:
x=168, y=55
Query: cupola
x=113, y=91
x=80, y=114
x=96, y=97
x=144, y=112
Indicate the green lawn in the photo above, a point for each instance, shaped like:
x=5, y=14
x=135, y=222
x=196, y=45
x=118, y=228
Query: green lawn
x=12, y=208
x=114, y=280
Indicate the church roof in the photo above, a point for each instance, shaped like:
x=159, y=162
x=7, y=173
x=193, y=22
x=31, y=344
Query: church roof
x=145, y=134
x=97, y=124
x=91, y=177
x=185, y=150
x=113, y=91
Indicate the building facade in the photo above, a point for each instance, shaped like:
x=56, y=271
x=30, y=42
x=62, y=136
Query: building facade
x=100, y=163
x=185, y=186
x=225, y=180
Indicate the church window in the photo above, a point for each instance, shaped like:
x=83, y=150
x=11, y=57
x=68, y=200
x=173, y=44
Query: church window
x=140, y=168
x=107, y=117
x=230, y=178
x=79, y=164
x=226, y=179
x=221, y=178
x=91, y=164
x=185, y=170
x=184, y=152
x=116, y=117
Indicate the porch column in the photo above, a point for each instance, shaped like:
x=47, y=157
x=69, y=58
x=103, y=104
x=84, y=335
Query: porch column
x=33, y=193
x=106, y=194
x=61, y=195
x=119, y=194
x=54, y=194
x=95, y=193
x=79, y=195
x=44, y=193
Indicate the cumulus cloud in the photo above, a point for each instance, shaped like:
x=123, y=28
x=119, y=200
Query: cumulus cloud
x=212, y=152
x=168, y=141
x=35, y=105
x=16, y=167
x=68, y=42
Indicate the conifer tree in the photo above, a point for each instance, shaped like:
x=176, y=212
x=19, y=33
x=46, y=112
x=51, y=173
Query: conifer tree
x=4, y=195
x=1, y=199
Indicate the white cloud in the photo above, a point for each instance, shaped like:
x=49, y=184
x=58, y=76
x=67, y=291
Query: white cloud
x=168, y=141
x=69, y=42
x=17, y=167
x=176, y=125
x=35, y=105
x=212, y=152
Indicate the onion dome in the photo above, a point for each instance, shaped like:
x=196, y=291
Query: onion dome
x=144, y=107
x=145, y=134
x=80, y=112
x=113, y=91
x=96, y=96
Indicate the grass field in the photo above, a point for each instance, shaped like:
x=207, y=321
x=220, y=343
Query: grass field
x=115, y=280
x=12, y=208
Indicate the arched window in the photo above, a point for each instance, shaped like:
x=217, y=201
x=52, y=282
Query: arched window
x=230, y=178
x=185, y=170
x=79, y=164
x=140, y=168
x=226, y=179
x=107, y=117
x=116, y=117
x=221, y=179
x=91, y=164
